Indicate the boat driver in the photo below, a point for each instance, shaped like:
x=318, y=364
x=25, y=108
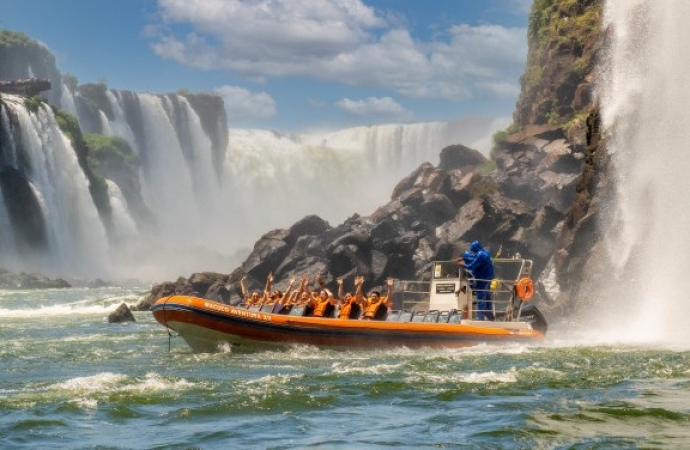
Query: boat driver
x=482, y=269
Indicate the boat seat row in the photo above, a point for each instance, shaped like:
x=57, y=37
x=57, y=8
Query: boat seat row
x=433, y=316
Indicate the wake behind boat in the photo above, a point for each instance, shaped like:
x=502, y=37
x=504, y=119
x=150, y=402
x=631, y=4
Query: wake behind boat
x=437, y=313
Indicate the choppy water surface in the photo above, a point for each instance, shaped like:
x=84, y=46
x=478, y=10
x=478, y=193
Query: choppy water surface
x=69, y=379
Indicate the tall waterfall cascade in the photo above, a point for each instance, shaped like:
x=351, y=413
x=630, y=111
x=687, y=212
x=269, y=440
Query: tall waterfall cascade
x=645, y=97
x=75, y=238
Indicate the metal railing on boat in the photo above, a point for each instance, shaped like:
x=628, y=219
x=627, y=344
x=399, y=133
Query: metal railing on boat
x=416, y=295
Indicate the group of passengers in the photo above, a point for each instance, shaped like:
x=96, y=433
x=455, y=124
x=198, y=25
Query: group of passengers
x=321, y=302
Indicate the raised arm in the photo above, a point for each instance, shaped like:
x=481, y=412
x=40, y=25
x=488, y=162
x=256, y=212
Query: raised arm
x=288, y=291
x=267, y=289
x=341, y=289
x=319, y=279
x=359, y=296
x=243, y=287
x=389, y=284
x=293, y=298
x=305, y=284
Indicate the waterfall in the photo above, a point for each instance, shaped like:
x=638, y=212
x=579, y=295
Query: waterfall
x=645, y=94
x=67, y=101
x=75, y=237
x=8, y=146
x=123, y=224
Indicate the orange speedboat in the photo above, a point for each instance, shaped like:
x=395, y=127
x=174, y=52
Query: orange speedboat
x=440, y=316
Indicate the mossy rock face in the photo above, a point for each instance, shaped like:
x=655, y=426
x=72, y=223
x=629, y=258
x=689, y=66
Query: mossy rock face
x=68, y=124
x=564, y=38
x=110, y=155
x=112, y=158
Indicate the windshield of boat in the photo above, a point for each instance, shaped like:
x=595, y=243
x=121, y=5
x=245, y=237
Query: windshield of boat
x=445, y=269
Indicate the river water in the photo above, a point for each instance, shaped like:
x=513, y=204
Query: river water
x=69, y=379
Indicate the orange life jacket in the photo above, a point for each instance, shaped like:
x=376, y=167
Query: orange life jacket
x=322, y=309
x=350, y=310
x=372, y=310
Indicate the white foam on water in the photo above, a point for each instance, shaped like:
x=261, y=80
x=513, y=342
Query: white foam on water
x=108, y=382
x=59, y=310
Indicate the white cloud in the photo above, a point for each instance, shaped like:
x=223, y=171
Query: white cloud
x=341, y=41
x=243, y=105
x=383, y=108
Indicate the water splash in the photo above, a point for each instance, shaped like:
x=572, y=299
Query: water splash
x=645, y=93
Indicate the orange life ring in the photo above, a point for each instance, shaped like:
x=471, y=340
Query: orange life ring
x=525, y=289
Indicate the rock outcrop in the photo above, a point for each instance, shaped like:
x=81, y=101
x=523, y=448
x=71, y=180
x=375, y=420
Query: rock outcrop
x=9, y=280
x=121, y=314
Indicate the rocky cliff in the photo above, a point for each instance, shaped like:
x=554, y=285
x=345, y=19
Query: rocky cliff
x=537, y=196
x=23, y=57
x=565, y=43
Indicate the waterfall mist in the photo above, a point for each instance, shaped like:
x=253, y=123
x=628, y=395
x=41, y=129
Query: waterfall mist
x=645, y=93
x=275, y=180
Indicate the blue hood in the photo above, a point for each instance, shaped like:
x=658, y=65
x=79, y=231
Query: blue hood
x=475, y=247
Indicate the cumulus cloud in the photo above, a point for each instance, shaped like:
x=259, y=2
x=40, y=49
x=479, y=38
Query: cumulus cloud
x=342, y=41
x=243, y=105
x=385, y=108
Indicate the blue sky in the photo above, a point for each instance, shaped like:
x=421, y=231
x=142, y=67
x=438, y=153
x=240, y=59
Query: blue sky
x=295, y=65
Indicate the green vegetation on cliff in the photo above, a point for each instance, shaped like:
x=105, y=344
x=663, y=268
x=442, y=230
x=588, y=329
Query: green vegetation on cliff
x=16, y=39
x=564, y=38
x=108, y=154
x=33, y=103
x=112, y=158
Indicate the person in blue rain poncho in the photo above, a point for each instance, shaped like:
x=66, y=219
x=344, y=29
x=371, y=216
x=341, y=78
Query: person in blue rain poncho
x=481, y=267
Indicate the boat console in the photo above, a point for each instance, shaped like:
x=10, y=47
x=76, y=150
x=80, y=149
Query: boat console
x=448, y=295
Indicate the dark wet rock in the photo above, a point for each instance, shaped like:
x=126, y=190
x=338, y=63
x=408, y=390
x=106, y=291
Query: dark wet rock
x=121, y=314
x=459, y=157
x=9, y=280
x=98, y=283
